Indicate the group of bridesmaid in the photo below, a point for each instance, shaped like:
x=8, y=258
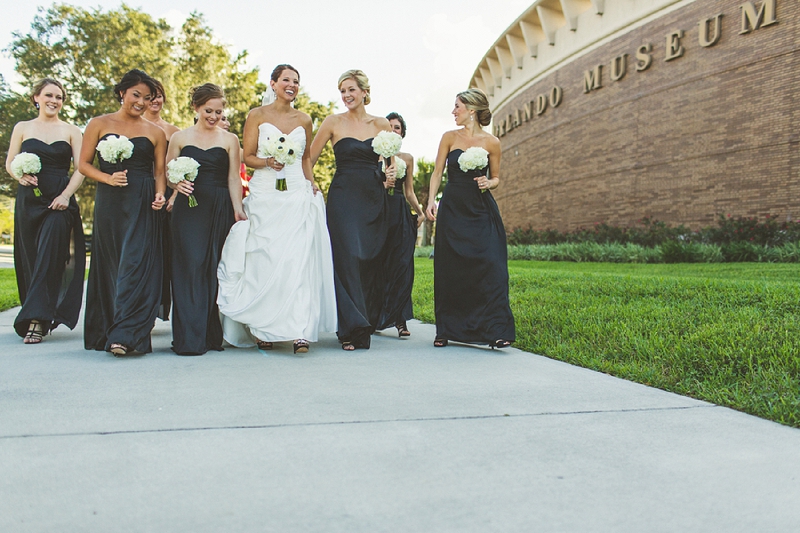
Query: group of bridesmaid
x=230, y=262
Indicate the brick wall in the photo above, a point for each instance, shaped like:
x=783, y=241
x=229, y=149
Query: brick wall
x=714, y=131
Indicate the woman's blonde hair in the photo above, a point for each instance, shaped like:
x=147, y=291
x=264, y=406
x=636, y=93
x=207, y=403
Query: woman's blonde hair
x=476, y=100
x=361, y=80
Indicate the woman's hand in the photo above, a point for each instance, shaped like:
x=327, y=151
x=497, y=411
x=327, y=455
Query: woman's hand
x=420, y=219
x=239, y=215
x=274, y=165
x=431, y=211
x=158, y=202
x=485, y=183
x=118, y=179
x=60, y=203
x=314, y=187
x=185, y=187
x=29, y=180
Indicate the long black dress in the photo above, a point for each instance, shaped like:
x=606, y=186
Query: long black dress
x=470, y=269
x=358, y=224
x=399, y=260
x=49, y=250
x=124, y=290
x=198, y=234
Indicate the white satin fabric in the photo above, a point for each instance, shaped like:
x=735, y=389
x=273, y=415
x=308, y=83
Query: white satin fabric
x=276, y=272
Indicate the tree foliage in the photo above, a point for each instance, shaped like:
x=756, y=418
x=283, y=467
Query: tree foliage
x=326, y=164
x=422, y=182
x=13, y=108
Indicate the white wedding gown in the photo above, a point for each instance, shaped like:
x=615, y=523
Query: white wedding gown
x=276, y=271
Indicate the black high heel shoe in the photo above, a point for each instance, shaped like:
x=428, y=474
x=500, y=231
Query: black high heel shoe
x=300, y=346
x=402, y=330
x=440, y=343
x=500, y=344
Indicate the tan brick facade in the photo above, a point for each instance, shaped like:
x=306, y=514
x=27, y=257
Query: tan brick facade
x=716, y=130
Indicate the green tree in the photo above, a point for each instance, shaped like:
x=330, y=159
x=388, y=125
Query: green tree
x=326, y=164
x=13, y=108
x=422, y=182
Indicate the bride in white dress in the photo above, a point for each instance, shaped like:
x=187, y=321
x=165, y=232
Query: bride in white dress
x=276, y=272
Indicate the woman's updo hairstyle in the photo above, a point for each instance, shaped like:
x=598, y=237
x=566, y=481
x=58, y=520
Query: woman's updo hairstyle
x=39, y=86
x=133, y=78
x=400, y=119
x=476, y=100
x=208, y=91
x=361, y=80
x=277, y=71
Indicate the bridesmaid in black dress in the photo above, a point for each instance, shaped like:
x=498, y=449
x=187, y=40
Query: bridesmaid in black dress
x=153, y=113
x=198, y=233
x=124, y=290
x=402, y=239
x=49, y=251
x=470, y=266
x=358, y=217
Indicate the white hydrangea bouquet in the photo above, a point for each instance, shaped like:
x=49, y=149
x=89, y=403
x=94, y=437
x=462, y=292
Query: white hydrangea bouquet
x=283, y=149
x=473, y=158
x=401, y=171
x=26, y=163
x=114, y=149
x=183, y=168
x=387, y=144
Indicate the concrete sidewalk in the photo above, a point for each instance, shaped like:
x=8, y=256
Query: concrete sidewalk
x=401, y=438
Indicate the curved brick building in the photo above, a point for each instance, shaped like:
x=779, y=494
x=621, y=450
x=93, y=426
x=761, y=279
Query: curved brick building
x=612, y=110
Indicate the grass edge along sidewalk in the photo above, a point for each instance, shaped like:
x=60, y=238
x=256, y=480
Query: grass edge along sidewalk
x=725, y=333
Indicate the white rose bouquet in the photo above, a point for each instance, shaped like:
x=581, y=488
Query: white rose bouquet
x=387, y=144
x=25, y=163
x=183, y=168
x=401, y=171
x=114, y=149
x=284, y=150
x=472, y=159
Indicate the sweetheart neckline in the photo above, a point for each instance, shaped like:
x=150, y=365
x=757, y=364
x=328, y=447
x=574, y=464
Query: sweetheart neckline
x=280, y=130
x=204, y=149
x=130, y=138
x=357, y=140
x=48, y=144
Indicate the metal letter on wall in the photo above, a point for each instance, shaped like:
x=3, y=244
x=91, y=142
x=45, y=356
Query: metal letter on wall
x=593, y=79
x=705, y=40
x=556, y=95
x=752, y=19
x=674, y=46
x=541, y=104
x=643, y=57
x=528, y=111
x=619, y=67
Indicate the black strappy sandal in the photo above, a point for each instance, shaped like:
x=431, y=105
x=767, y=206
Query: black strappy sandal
x=402, y=330
x=440, y=343
x=300, y=346
x=119, y=350
x=264, y=345
x=500, y=344
x=348, y=346
x=35, y=333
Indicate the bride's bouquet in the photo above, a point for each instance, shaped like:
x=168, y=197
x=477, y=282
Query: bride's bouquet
x=283, y=149
x=114, y=149
x=472, y=159
x=25, y=163
x=183, y=168
x=387, y=144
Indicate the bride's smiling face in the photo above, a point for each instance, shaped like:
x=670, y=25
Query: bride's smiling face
x=210, y=113
x=352, y=95
x=287, y=86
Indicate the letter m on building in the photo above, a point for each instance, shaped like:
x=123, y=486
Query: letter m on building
x=593, y=79
x=752, y=19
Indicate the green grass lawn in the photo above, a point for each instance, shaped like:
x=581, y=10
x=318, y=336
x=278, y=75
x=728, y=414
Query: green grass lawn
x=8, y=289
x=726, y=333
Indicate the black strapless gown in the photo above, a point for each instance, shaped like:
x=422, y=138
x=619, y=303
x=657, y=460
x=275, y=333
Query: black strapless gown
x=470, y=264
x=399, y=260
x=358, y=223
x=125, y=277
x=198, y=234
x=49, y=249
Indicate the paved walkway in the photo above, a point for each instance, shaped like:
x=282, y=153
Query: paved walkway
x=400, y=438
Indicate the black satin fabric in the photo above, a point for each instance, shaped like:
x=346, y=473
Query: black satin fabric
x=49, y=249
x=470, y=262
x=358, y=223
x=399, y=260
x=125, y=277
x=166, y=255
x=198, y=234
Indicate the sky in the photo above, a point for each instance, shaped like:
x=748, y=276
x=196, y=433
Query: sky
x=418, y=54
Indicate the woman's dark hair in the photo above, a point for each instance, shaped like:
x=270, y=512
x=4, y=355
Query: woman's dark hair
x=133, y=78
x=277, y=71
x=37, y=88
x=208, y=91
x=400, y=119
x=160, y=90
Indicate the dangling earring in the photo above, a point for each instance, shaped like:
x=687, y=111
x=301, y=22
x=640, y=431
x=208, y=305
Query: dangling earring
x=471, y=118
x=36, y=105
